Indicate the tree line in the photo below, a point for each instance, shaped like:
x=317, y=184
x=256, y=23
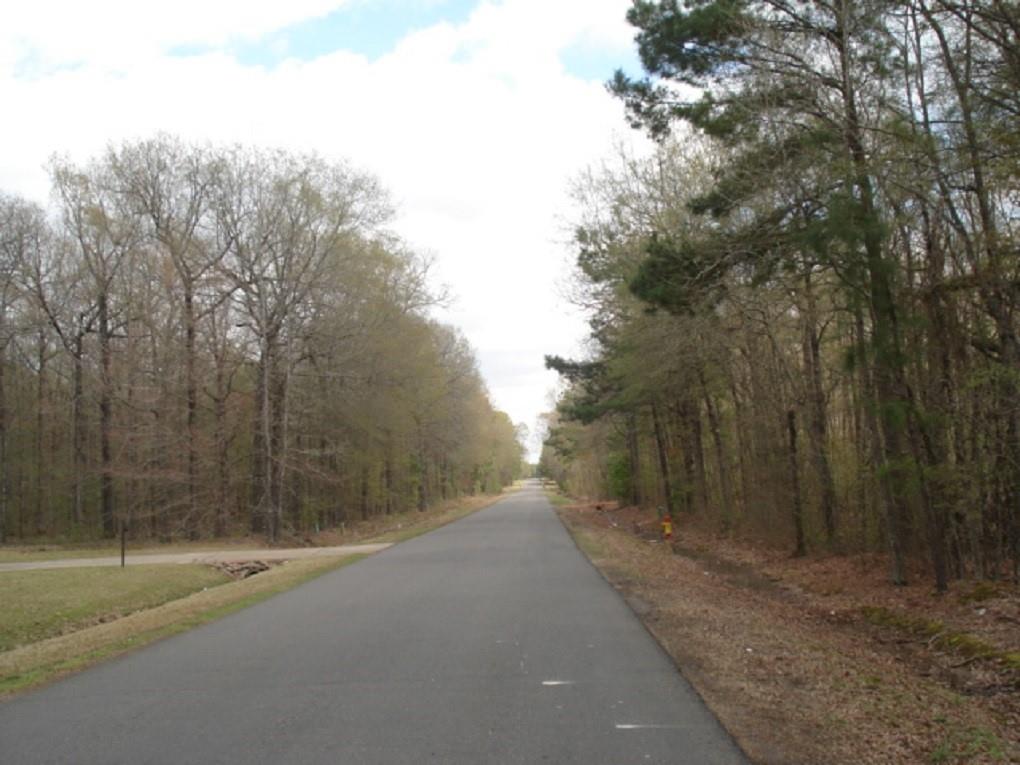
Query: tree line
x=200, y=340
x=804, y=305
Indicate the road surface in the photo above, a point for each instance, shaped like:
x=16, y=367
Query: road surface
x=203, y=556
x=491, y=640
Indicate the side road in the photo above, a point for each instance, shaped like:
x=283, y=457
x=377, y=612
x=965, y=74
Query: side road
x=203, y=557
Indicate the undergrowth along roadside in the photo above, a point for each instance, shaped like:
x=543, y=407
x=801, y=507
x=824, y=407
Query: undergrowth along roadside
x=799, y=675
x=940, y=636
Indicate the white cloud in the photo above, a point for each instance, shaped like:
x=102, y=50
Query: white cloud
x=118, y=33
x=475, y=128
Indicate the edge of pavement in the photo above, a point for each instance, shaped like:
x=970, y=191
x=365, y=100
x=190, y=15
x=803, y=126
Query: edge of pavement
x=636, y=607
x=44, y=662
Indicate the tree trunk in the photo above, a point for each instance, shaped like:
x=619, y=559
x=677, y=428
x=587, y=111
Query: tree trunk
x=695, y=443
x=388, y=482
x=891, y=397
x=259, y=445
x=107, y=510
x=800, y=549
x=276, y=425
x=634, y=460
x=78, y=429
x=423, y=476
x=191, y=395
x=222, y=475
x=725, y=487
x=897, y=531
x=363, y=500
x=3, y=440
x=740, y=430
x=817, y=416
x=44, y=520
x=660, y=448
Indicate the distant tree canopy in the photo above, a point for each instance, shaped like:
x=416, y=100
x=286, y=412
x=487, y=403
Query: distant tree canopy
x=199, y=340
x=805, y=304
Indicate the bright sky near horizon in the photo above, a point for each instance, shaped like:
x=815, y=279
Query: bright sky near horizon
x=474, y=114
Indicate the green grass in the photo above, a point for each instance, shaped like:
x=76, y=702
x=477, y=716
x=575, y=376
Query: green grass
x=555, y=498
x=965, y=745
x=590, y=543
x=38, y=663
x=981, y=592
x=65, y=620
x=41, y=604
x=940, y=636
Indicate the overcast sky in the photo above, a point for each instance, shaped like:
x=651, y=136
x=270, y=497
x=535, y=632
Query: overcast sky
x=475, y=115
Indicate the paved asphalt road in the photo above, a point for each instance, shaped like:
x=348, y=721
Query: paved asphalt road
x=491, y=640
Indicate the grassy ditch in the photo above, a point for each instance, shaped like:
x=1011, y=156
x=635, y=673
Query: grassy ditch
x=36, y=663
x=43, y=604
x=58, y=621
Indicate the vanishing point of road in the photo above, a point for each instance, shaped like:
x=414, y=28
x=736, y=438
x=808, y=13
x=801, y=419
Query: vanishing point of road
x=491, y=640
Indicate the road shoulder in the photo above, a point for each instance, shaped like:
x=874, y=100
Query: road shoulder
x=793, y=681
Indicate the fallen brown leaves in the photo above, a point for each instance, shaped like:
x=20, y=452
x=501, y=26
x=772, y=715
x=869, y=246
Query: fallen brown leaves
x=783, y=651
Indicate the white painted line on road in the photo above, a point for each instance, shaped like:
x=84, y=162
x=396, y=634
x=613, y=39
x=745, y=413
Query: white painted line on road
x=636, y=726
x=557, y=682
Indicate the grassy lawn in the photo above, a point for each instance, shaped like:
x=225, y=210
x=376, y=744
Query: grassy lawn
x=41, y=604
x=37, y=663
x=58, y=621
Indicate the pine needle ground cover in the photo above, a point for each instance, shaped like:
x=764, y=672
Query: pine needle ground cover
x=819, y=660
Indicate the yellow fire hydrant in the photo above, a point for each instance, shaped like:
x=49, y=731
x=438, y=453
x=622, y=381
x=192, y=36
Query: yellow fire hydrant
x=667, y=528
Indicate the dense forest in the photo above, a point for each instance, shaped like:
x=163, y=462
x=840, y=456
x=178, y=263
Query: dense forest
x=804, y=304
x=204, y=341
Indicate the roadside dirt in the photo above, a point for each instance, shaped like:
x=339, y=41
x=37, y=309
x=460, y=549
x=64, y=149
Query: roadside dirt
x=819, y=660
